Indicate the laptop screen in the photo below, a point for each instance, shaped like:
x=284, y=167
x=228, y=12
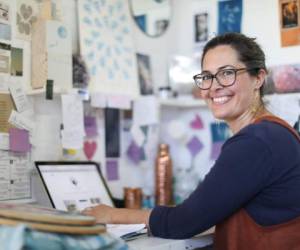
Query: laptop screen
x=73, y=186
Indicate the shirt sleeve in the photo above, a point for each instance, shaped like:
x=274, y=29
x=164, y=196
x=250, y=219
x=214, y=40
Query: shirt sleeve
x=240, y=172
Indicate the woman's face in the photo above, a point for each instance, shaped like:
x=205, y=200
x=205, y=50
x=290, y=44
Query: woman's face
x=233, y=102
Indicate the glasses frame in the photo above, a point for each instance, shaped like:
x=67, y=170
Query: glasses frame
x=215, y=76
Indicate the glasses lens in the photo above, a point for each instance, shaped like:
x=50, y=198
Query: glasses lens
x=226, y=77
x=203, y=81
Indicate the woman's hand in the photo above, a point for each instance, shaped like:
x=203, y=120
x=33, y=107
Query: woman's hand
x=102, y=213
x=109, y=215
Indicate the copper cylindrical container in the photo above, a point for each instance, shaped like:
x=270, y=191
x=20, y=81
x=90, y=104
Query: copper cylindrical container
x=133, y=197
x=163, y=176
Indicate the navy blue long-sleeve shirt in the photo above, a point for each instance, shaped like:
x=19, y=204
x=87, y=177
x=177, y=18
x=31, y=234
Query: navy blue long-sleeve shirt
x=258, y=169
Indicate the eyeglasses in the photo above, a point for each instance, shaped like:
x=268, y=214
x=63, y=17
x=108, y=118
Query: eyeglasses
x=225, y=77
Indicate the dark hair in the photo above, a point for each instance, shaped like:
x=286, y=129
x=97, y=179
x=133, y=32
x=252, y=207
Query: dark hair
x=249, y=52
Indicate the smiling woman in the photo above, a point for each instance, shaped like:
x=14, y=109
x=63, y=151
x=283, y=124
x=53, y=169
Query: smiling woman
x=252, y=192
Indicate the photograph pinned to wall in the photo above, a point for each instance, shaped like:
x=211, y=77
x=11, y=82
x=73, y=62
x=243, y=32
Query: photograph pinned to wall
x=5, y=20
x=286, y=78
x=16, y=66
x=26, y=16
x=4, y=12
x=289, y=14
x=219, y=133
x=112, y=132
x=80, y=74
x=145, y=77
x=107, y=46
x=201, y=27
x=161, y=26
x=5, y=50
x=230, y=16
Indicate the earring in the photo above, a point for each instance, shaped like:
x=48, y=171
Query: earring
x=256, y=104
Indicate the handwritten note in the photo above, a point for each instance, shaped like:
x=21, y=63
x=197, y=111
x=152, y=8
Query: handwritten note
x=19, y=120
x=19, y=96
x=4, y=141
x=14, y=176
x=72, y=110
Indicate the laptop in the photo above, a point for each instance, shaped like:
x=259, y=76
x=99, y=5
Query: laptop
x=73, y=186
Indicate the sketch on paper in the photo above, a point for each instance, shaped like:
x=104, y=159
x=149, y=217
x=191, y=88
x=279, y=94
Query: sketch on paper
x=4, y=12
x=107, y=46
x=26, y=16
x=145, y=77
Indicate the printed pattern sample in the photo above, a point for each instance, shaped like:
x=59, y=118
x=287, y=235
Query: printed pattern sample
x=107, y=46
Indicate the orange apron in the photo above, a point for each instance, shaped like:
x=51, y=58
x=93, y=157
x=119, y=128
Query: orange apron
x=241, y=232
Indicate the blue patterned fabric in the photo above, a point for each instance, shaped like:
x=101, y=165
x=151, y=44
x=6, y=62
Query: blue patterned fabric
x=24, y=238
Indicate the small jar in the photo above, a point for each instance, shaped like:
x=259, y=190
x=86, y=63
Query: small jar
x=133, y=197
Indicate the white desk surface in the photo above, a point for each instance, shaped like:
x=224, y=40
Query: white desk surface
x=151, y=243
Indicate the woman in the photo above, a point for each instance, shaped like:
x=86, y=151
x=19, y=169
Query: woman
x=252, y=193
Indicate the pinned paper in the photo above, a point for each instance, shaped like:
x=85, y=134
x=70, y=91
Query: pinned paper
x=90, y=126
x=71, y=139
x=194, y=146
x=230, y=16
x=138, y=135
x=4, y=141
x=98, y=100
x=21, y=121
x=112, y=170
x=119, y=102
x=142, y=104
x=19, y=140
x=197, y=123
x=72, y=110
x=19, y=96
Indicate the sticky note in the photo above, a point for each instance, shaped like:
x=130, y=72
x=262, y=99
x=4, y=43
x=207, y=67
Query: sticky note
x=19, y=140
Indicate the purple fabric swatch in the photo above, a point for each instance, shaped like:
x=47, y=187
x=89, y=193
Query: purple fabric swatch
x=19, y=140
x=90, y=126
x=112, y=170
x=194, y=146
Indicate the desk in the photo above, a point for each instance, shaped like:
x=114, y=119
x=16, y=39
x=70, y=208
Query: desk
x=153, y=243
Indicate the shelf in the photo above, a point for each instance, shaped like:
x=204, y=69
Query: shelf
x=182, y=102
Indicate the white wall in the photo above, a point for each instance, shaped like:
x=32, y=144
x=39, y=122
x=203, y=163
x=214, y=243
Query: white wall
x=260, y=19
